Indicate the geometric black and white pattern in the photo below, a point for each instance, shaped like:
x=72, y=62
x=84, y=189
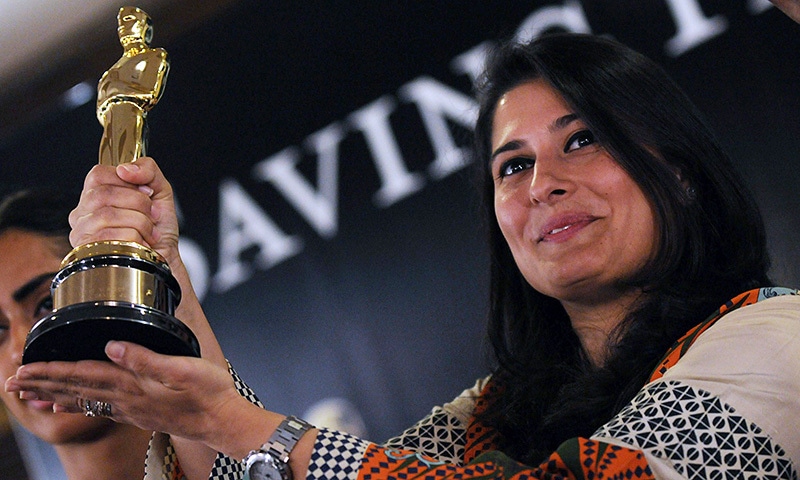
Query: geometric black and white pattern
x=227, y=468
x=336, y=456
x=243, y=388
x=438, y=435
x=700, y=435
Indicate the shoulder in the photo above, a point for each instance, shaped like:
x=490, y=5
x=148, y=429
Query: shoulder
x=776, y=306
x=734, y=387
x=758, y=327
x=463, y=406
x=749, y=360
x=760, y=337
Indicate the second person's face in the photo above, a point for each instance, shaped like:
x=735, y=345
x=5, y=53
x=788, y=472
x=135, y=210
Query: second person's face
x=575, y=221
x=28, y=263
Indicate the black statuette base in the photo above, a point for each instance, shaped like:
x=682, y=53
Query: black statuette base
x=81, y=331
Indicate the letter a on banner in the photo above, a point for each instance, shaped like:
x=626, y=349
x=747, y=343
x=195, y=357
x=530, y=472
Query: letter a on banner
x=243, y=224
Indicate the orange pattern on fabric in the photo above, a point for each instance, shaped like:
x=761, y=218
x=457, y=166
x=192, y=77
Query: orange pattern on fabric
x=481, y=438
x=595, y=459
x=171, y=469
x=576, y=459
x=682, y=345
x=384, y=463
x=176, y=473
x=580, y=456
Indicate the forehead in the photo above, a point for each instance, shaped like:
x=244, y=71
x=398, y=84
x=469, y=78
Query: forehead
x=25, y=255
x=530, y=106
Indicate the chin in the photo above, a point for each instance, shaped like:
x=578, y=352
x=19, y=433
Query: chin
x=66, y=428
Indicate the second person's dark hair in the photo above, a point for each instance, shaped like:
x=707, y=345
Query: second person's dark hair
x=37, y=210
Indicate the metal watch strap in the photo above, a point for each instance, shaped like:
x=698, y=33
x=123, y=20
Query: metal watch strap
x=285, y=437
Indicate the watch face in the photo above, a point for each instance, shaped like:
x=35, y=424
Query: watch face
x=262, y=471
x=262, y=466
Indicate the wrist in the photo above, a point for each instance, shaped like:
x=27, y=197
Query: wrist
x=190, y=312
x=271, y=460
x=240, y=426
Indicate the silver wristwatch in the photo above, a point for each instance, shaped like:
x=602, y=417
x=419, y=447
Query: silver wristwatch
x=271, y=461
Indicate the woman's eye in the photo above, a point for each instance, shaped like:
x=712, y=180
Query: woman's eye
x=579, y=140
x=515, y=165
x=45, y=307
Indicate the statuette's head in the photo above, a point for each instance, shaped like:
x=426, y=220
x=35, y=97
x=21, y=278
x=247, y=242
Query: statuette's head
x=134, y=26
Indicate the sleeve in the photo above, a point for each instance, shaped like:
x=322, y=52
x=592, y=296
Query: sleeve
x=162, y=463
x=730, y=408
x=442, y=433
x=435, y=446
x=339, y=456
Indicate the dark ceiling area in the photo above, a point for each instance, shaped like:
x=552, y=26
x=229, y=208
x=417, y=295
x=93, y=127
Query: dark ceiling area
x=35, y=88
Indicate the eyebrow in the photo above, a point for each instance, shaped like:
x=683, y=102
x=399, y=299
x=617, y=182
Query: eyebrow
x=558, y=124
x=32, y=285
x=562, y=122
x=512, y=145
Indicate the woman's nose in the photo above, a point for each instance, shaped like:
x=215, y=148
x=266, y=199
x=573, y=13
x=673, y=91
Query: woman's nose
x=549, y=183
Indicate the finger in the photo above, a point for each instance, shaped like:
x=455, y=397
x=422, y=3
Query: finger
x=61, y=403
x=109, y=223
x=67, y=399
x=84, y=372
x=126, y=195
x=70, y=385
x=144, y=171
x=87, y=376
x=104, y=187
x=789, y=7
x=105, y=207
x=166, y=370
x=79, y=407
x=102, y=175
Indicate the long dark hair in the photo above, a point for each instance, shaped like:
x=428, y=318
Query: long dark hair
x=41, y=211
x=711, y=245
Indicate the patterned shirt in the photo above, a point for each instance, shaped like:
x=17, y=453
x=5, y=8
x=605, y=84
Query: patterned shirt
x=723, y=403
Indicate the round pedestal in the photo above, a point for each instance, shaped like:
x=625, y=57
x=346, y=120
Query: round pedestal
x=81, y=331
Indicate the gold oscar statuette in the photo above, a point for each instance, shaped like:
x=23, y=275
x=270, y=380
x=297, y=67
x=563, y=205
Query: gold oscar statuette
x=114, y=290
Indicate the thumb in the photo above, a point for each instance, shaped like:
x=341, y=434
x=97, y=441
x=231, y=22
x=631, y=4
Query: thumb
x=145, y=172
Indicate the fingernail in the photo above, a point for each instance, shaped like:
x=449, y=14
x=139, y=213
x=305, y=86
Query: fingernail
x=22, y=373
x=10, y=385
x=59, y=408
x=25, y=395
x=114, y=350
x=146, y=190
x=129, y=167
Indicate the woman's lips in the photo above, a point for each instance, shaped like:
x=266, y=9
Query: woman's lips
x=563, y=228
x=41, y=405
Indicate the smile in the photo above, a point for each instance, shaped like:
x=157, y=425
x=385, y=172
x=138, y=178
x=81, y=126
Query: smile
x=564, y=228
x=557, y=230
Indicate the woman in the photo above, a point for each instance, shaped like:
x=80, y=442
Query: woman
x=33, y=240
x=623, y=295
x=617, y=227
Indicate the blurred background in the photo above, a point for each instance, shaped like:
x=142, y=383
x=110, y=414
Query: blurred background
x=319, y=155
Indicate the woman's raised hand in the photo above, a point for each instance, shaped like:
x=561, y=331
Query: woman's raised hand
x=130, y=202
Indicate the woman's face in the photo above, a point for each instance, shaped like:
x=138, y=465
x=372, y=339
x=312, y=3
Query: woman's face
x=28, y=263
x=575, y=221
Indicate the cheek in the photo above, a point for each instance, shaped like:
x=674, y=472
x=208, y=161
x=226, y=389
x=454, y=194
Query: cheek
x=649, y=234
x=507, y=218
x=7, y=367
x=641, y=227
